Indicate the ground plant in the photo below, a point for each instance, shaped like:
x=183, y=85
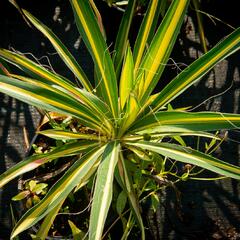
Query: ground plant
x=121, y=134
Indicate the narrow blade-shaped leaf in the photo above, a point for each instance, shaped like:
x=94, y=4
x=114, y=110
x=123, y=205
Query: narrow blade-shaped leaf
x=44, y=76
x=68, y=135
x=154, y=136
x=122, y=36
x=127, y=78
x=3, y=69
x=100, y=107
x=146, y=30
x=99, y=17
x=174, y=121
x=92, y=36
x=200, y=26
x=142, y=154
x=33, y=69
x=128, y=187
x=49, y=100
x=62, y=51
x=35, y=161
x=76, y=232
x=55, y=88
x=59, y=191
x=103, y=190
x=188, y=155
x=198, y=69
x=159, y=51
x=131, y=111
x=42, y=233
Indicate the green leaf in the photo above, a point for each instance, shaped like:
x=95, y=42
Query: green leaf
x=147, y=136
x=3, y=68
x=100, y=107
x=122, y=35
x=44, y=78
x=63, y=52
x=39, y=187
x=188, y=155
x=121, y=202
x=180, y=140
x=133, y=200
x=146, y=30
x=92, y=36
x=59, y=191
x=68, y=135
x=35, y=70
x=88, y=99
x=13, y=219
x=155, y=202
x=103, y=190
x=48, y=99
x=32, y=185
x=200, y=26
x=85, y=180
x=42, y=233
x=29, y=204
x=35, y=161
x=130, y=113
x=99, y=18
x=174, y=121
x=140, y=153
x=161, y=46
x=83, y=97
x=127, y=78
x=198, y=69
x=76, y=232
x=21, y=195
x=35, y=199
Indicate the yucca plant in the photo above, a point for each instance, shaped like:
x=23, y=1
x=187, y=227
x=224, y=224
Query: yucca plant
x=129, y=124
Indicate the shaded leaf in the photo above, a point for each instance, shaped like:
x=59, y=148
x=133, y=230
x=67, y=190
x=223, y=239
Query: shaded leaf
x=121, y=202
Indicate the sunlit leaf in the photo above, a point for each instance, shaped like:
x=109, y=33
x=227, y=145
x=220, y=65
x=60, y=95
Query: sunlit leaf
x=62, y=51
x=42, y=232
x=123, y=34
x=191, y=156
x=198, y=69
x=48, y=99
x=76, y=232
x=103, y=190
x=146, y=31
x=127, y=78
x=161, y=46
x=67, y=135
x=92, y=36
x=21, y=195
x=35, y=161
x=175, y=121
x=59, y=191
